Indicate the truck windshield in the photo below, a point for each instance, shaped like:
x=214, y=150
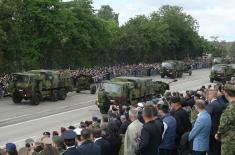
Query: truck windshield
x=112, y=88
x=167, y=65
x=218, y=69
x=21, y=78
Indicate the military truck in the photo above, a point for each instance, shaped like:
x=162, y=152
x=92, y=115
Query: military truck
x=217, y=60
x=37, y=85
x=84, y=82
x=188, y=69
x=221, y=72
x=172, y=68
x=128, y=91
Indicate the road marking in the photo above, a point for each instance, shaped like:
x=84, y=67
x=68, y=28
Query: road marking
x=12, y=125
x=68, y=106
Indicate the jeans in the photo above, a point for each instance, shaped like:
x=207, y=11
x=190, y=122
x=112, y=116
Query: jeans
x=198, y=153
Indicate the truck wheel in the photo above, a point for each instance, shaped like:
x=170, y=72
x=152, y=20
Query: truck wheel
x=54, y=96
x=93, y=90
x=78, y=90
x=162, y=75
x=16, y=98
x=62, y=94
x=211, y=80
x=35, y=100
x=180, y=75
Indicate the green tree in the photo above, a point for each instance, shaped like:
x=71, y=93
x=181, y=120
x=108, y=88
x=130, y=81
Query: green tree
x=107, y=13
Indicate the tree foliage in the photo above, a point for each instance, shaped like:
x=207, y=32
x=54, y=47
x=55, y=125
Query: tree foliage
x=55, y=34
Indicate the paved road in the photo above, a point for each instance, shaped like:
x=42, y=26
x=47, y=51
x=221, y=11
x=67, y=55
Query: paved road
x=18, y=122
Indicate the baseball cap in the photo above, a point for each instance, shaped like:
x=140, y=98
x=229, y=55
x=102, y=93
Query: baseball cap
x=10, y=147
x=94, y=118
x=140, y=105
x=78, y=131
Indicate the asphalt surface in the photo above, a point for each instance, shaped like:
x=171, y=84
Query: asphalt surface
x=21, y=121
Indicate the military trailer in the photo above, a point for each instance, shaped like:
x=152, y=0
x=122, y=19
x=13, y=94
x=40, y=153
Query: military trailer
x=172, y=69
x=84, y=82
x=37, y=85
x=221, y=72
x=128, y=91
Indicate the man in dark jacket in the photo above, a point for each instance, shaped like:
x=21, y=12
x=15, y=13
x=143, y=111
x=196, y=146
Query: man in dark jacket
x=69, y=140
x=215, y=109
x=100, y=141
x=167, y=145
x=88, y=147
x=183, y=123
x=125, y=124
x=151, y=135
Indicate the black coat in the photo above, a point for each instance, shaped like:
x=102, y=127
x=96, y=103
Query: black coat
x=72, y=151
x=150, y=139
x=183, y=123
x=215, y=109
x=89, y=148
x=124, y=127
x=185, y=146
x=104, y=145
x=115, y=143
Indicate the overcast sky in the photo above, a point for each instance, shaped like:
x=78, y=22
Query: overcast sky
x=215, y=17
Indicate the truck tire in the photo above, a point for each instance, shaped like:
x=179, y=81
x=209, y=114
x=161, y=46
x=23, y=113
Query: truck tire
x=181, y=74
x=54, y=95
x=93, y=89
x=162, y=75
x=35, y=100
x=78, y=91
x=62, y=94
x=16, y=98
x=211, y=80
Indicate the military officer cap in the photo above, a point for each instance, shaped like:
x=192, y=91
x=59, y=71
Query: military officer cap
x=57, y=139
x=69, y=134
x=230, y=87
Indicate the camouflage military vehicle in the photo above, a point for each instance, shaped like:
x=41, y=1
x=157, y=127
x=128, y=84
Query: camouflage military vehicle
x=221, y=72
x=188, y=69
x=217, y=60
x=37, y=85
x=84, y=82
x=128, y=91
x=172, y=68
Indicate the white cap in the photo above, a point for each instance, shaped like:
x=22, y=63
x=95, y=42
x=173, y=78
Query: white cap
x=78, y=131
x=140, y=104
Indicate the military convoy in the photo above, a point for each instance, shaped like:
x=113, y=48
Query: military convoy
x=37, y=85
x=221, y=73
x=128, y=91
x=174, y=69
x=84, y=82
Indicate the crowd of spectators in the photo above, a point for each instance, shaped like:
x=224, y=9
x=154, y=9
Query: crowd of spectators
x=177, y=124
x=4, y=82
x=140, y=69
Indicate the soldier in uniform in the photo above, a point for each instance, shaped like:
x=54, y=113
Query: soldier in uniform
x=226, y=132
